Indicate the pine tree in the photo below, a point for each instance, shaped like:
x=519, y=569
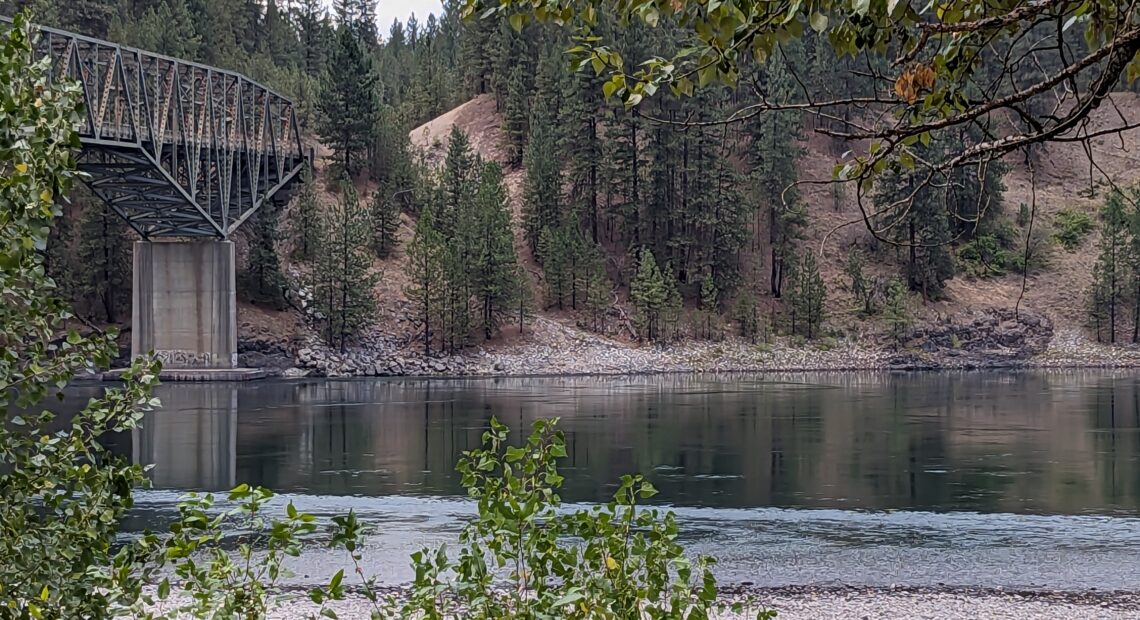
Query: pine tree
x=808, y=297
x=456, y=218
x=621, y=174
x=542, y=188
x=598, y=292
x=216, y=22
x=280, y=41
x=524, y=298
x=91, y=17
x=342, y=280
x=709, y=302
x=457, y=323
x=495, y=268
x=582, y=148
x=1134, y=262
x=895, y=312
x=747, y=315
x=312, y=30
x=305, y=223
x=103, y=261
x=580, y=254
x=1110, y=274
x=261, y=282
x=426, y=275
x=348, y=102
x=385, y=223
x=168, y=28
x=515, y=116
x=458, y=182
x=390, y=160
x=674, y=306
x=774, y=157
x=860, y=287
x=554, y=251
x=650, y=295
x=917, y=221
x=359, y=18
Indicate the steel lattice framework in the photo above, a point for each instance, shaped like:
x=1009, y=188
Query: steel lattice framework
x=174, y=147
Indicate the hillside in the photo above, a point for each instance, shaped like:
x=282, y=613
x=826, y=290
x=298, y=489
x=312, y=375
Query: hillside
x=1063, y=180
x=1057, y=292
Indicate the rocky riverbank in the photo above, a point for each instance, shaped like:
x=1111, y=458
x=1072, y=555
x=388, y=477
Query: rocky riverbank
x=835, y=602
x=990, y=338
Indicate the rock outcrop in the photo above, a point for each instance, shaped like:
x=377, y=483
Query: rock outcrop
x=991, y=338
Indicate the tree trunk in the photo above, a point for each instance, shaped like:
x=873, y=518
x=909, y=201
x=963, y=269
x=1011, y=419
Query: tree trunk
x=636, y=195
x=593, y=182
x=773, y=240
x=1136, y=314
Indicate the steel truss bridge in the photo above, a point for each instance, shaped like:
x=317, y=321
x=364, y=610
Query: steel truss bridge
x=176, y=148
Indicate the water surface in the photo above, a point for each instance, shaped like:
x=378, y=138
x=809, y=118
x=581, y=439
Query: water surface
x=1014, y=479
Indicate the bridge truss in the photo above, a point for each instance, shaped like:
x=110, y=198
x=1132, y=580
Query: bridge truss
x=176, y=148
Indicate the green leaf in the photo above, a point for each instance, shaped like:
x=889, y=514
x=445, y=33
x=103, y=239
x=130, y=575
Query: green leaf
x=818, y=22
x=651, y=16
x=164, y=589
x=570, y=598
x=291, y=510
x=517, y=21
x=860, y=7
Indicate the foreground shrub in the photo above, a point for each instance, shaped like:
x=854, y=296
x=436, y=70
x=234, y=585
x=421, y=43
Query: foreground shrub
x=62, y=495
x=523, y=557
x=217, y=580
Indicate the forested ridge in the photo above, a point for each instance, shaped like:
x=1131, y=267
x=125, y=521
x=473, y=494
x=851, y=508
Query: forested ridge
x=651, y=222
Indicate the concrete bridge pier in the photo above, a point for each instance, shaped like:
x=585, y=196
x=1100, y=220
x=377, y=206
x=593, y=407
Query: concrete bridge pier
x=185, y=304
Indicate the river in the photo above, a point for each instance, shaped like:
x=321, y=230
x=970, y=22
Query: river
x=1021, y=480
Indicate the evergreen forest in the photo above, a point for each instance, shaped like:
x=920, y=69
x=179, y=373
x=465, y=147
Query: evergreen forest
x=650, y=222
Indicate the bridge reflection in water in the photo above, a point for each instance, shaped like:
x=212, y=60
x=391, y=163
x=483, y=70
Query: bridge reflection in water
x=196, y=445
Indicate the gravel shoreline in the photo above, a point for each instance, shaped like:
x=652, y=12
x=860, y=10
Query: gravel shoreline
x=844, y=603
x=555, y=349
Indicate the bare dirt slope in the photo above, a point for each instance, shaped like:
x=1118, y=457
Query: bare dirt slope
x=482, y=123
x=1064, y=178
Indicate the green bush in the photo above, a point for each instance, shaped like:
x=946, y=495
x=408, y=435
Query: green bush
x=1041, y=248
x=608, y=562
x=62, y=494
x=217, y=581
x=1070, y=228
x=984, y=257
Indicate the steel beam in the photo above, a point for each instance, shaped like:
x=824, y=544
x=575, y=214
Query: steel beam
x=175, y=147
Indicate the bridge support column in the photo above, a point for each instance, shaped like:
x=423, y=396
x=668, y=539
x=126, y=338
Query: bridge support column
x=185, y=303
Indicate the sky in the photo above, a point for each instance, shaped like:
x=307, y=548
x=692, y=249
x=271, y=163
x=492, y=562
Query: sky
x=387, y=10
